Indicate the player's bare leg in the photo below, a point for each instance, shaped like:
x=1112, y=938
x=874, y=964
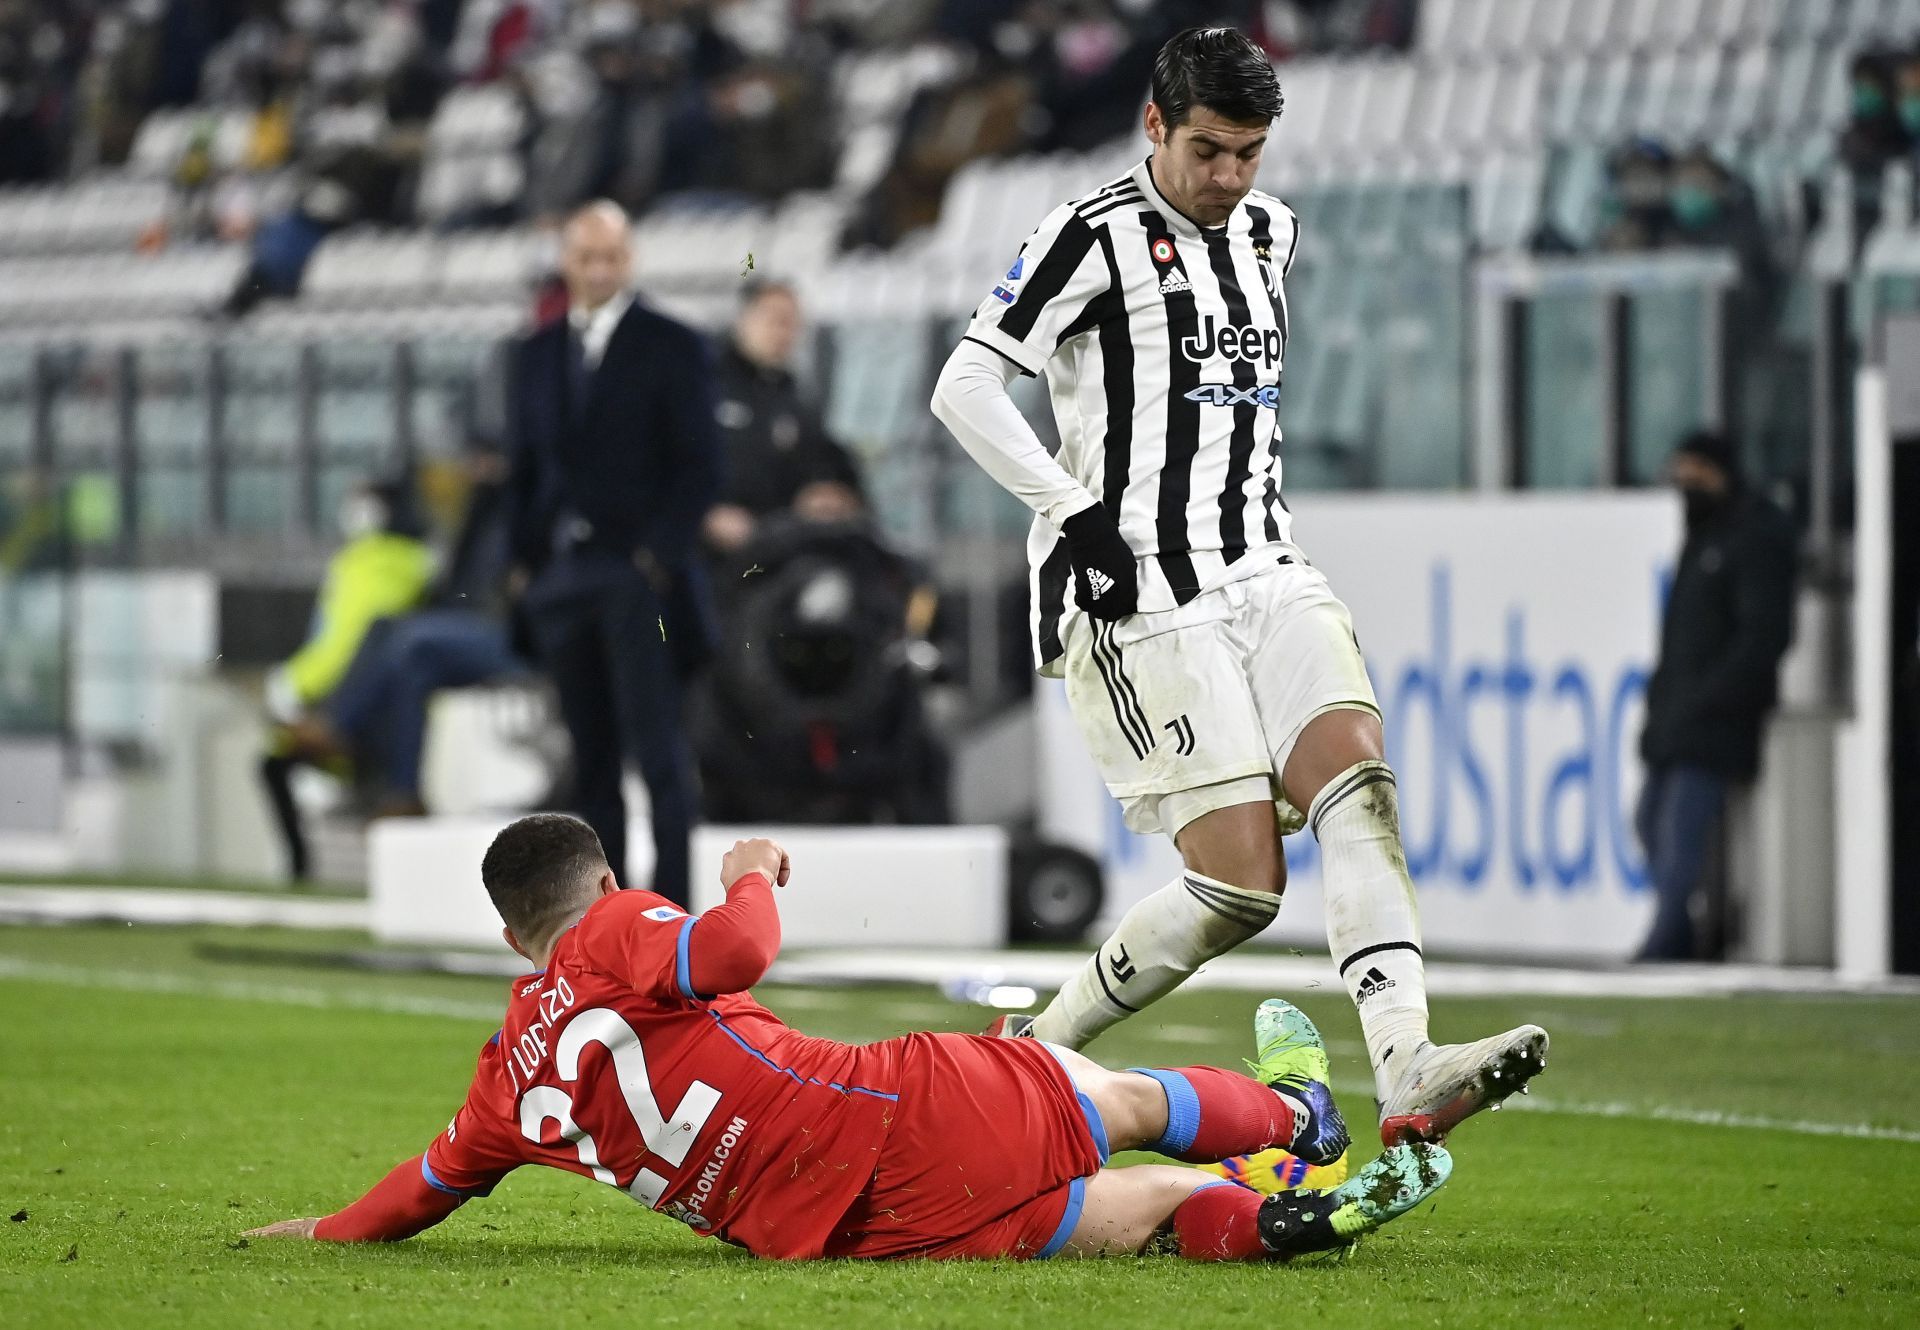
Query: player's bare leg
x=1230, y=891
x=1151, y=1207
x=1338, y=773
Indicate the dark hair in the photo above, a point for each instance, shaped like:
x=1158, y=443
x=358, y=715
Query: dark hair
x=1218, y=68
x=1714, y=448
x=541, y=867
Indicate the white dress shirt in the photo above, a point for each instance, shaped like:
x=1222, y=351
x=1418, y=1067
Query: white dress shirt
x=595, y=326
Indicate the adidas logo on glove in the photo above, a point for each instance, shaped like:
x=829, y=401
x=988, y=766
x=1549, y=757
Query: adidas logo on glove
x=1098, y=583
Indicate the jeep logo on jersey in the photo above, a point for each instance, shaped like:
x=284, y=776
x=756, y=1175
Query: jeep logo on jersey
x=1226, y=394
x=1232, y=342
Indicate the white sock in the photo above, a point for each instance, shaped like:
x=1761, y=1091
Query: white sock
x=1373, y=924
x=1161, y=941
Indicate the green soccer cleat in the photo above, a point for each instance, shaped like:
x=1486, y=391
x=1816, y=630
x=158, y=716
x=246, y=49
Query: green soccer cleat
x=1292, y=1058
x=1298, y=1223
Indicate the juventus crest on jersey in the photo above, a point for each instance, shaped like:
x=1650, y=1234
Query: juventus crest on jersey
x=1163, y=344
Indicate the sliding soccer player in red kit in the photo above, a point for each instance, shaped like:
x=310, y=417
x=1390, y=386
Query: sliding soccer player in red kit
x=633, y=1054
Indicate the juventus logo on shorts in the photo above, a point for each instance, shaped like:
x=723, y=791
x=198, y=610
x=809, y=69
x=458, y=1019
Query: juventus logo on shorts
x=1182, y=735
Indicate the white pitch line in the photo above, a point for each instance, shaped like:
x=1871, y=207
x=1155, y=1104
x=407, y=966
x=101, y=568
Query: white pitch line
x=28, y=904
x=1700, y=1117
x=400, y=1004
x=133, y=981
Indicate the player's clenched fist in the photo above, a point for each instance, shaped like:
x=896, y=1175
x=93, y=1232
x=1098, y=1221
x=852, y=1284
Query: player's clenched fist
x=755, y=856
x=1105, y=580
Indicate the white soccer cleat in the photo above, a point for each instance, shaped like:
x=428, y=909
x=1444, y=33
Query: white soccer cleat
x=1443, y=1084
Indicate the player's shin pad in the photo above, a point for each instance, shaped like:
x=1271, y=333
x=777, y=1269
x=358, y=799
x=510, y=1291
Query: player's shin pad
x=1373, y=923
x=1159, y=942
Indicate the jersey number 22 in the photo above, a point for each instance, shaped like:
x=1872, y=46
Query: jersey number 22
x=668, y=1138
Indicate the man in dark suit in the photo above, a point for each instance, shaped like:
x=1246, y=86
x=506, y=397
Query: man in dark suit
x=615, y=461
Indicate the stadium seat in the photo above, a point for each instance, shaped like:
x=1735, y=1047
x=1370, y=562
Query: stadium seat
x=1308, y=86
x=1391, y=108
x=372, y=267
x=1591, y=28
x=1611, y=97
x=1433, y=29
x=1789, y=102
x=1697, y=79
x=1648, y=108
x=1515, y=119
x=1549, y=26
x=1831, y=105
x=493, y=264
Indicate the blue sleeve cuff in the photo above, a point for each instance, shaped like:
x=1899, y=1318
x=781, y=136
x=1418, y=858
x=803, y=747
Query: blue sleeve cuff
x=433, y=1180
x=683, y=961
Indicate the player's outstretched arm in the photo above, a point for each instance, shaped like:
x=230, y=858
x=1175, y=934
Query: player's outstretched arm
x=400, y=1205
x=733, y=945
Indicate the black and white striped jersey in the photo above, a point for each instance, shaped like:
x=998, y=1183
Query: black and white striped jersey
x=1163, y=344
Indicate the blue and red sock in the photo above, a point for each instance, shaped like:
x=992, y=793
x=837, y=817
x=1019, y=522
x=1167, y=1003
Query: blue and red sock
x=1214, y=1114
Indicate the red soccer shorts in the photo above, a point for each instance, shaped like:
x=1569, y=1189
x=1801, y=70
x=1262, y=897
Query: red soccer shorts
x=988, y=1155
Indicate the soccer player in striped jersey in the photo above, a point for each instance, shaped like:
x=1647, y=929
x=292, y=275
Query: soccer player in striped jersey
x=1212, y=671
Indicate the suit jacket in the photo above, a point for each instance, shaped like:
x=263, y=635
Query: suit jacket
x=631, y=447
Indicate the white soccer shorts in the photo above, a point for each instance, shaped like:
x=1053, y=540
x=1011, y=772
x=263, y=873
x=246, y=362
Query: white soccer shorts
x=1198, y=708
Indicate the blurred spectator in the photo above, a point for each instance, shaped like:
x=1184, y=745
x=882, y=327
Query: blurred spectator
x=615, y=461
x=1638, y=207
x=1875, y=136
x=380, y=570
x=1908, y=107
x=345, y=188
x=1714, y=209
x=983, y=114
x=779, y=455
x=613, y=144
x=462, y=637
x=1728, y=621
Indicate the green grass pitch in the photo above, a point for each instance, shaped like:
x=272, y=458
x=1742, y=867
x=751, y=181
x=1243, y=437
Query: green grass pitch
x=155, y=1102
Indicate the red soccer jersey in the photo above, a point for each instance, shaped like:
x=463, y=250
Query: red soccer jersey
x=708, y=1109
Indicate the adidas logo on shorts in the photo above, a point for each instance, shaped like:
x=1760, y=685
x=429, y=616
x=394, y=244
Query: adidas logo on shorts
x=1372, y=982
x=1098, y=583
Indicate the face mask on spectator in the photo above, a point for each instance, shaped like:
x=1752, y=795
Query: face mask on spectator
x=1700, y=505
x=1869, y=100
x=1910, y=112
x=1694, y=205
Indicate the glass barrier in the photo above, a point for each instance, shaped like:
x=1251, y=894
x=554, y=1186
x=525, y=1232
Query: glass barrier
x=1566, y=407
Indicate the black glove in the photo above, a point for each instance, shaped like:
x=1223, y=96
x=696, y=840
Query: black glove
x=1106, y=583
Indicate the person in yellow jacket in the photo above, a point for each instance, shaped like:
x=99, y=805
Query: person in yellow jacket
x=382, y=570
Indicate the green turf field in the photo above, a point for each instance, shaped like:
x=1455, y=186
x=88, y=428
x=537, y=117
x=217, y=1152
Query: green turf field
x=154, y=1102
